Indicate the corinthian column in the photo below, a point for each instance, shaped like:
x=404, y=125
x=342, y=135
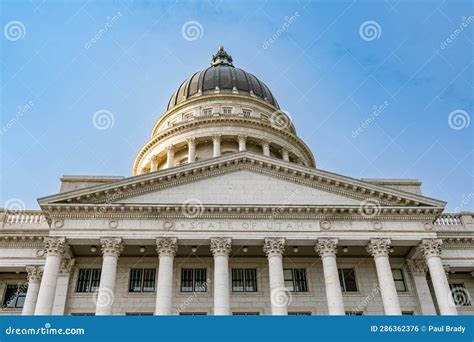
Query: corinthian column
x=379, y=249
x=191, y=149
x=154, y=163
x=166, y=248
x=34, y=280
x=431, y=249
x=242, y=142
x=327, y=248
x=216, y=141
x=169, y=156
x=55, y=248
x=111, y=249
x=417, y=269
x=266, y=148
x=280, y=297
x=220, y=248
x=62, y=286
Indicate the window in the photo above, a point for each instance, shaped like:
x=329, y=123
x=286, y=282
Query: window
x=347, y=279
x=142, y=280
x=246, y=112
x=88, y=280
x=193, y=280
x=461, y=296
x=82, y=314
x=264, y=117
x=354, y=313
x=407, y=313
x=295, y=280
x=192, y=313
x=226, y=110
x=207, y=111
x=15, y=296
x=188, y=116
x=399, y=280
x=299, y=313
x=244, y=280
x=246, y=313
x=139, y=314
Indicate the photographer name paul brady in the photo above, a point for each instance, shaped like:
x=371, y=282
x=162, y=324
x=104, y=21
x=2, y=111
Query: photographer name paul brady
x=446, y=328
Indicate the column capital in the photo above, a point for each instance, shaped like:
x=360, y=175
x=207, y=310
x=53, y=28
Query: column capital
x=166, y=246
x=221, y=246
x=379, y=247
x=326, y=247
x=284, y=150
x=241, y=137
x=431, y=247
x=216, y=137
x=417, y=267
x=66, y=266
x=170, y=148
x=265, y=142
x=274, y=246
x=191, y=141
x=34, y=273
x=111, y=246
x=55, y=246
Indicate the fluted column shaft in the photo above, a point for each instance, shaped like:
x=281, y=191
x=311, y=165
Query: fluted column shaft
x=34, y=281
x=242, y=142
x=327, y=249
x=191, y=150
x=111, y=249
x=220, y=248
x=216, y=141
x=166, y=248
x=417, y=269
x=55, y=248
x=380, y=248
x=279, y=296
x=431, y=249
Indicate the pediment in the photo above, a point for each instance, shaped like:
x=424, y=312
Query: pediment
x=240, y=179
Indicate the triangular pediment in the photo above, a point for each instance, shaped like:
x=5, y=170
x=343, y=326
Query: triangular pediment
x=241, y=179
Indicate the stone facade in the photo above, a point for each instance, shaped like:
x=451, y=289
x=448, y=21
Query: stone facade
x=226, y=213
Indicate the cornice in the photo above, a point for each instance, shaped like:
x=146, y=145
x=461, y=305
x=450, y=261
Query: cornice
x=12, y=241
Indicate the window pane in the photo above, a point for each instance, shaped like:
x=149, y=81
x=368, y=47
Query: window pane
x=186, y=280
x=349, y=280
x=238, y=280
x=11, y=294
x=300, y=280
x=251, y=280
x=200, y=284
x=135, y=280
x=288, y=274
x=83, y=280
x=95, y=281
x=149, y=280
x=461, y=296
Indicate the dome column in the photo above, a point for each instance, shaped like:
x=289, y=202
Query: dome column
x=285, y=154
x=191, y=150
x=169, y=156
x=154, y=164
x=242, y=142
x=216, y=140
x=266, y=148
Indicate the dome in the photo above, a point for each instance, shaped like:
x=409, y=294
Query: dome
x=222, y=76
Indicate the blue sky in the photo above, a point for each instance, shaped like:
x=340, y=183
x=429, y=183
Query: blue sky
x=325, y=70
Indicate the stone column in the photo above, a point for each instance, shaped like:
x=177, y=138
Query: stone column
x=111, y=249
x=191, y=150
x=220, y=248
x=327, y=249
x=55, y=248
x=431, y=249
x=379, y=249
x=34, y=281
x=242, y=142
x=169, y=156
x=166, y=248
x=417, y=269
x=280, y=296
x=216, y=140
x=285, y=154
x=62, y=286
x=266, y=148
x=154, y=164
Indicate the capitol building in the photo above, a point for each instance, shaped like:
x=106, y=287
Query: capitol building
x=227, y=213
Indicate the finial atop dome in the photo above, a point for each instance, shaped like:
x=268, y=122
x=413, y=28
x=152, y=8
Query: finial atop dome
x=221, y=58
